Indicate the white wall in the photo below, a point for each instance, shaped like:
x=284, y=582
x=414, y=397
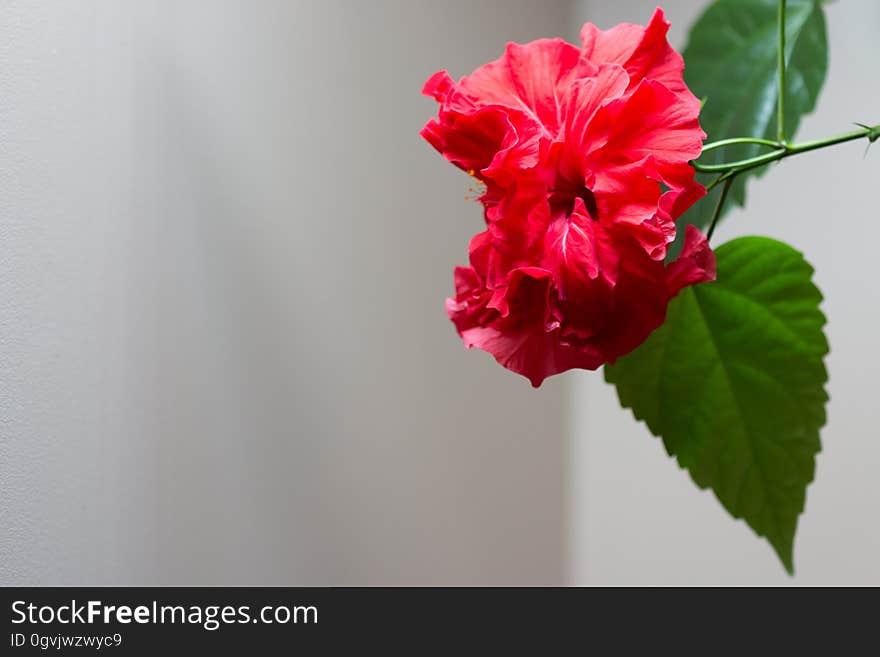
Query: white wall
x=224, y=252
x=634, y=517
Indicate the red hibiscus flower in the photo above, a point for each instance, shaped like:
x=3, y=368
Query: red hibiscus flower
x=584, y=153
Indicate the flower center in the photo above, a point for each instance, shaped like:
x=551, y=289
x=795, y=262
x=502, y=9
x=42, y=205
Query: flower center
x=564, y=195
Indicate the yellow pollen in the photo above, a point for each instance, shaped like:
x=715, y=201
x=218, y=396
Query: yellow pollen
x=475, y=193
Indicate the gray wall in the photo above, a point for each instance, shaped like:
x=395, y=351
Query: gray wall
x=634, y=517
x=224, y=252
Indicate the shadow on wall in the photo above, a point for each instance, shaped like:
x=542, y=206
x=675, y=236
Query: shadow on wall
x=280, y=398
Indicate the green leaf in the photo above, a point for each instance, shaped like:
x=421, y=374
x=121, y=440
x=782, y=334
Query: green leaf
x=733, y=382
x=730, y=60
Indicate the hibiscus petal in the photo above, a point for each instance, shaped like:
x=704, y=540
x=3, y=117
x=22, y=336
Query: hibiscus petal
x=439, y=87
x=586, y=97
x=571, y=252
x=644, y=52
x=469, y=306
x=651, y=122
x=627, y=199
x=518, y=222
x=682, y=196
x=614, y=46
x=695, y=264
x=524, y=336
x=585, y=262
x=533, y=78
x=638, y=304
x=525, y=301
x=471, y=141
x=534, y=355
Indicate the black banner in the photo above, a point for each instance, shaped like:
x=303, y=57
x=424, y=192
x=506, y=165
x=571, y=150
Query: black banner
x=410, y=620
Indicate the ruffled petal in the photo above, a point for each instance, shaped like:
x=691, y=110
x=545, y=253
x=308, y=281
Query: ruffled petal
x=627, y=200
x=644, y=52
x=631, y=199
x=517, y=221
x=585, y=263
x=533, y=78
x=650, y=122
x=534, y=355
x=639, y=303
x=695, y=264
x=572, y=252
x=585, y=98
x=470, y=141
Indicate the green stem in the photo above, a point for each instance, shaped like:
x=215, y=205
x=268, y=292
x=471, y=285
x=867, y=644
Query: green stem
x=739, y=140
x=787, y=150
x=728, y=166
x=714, y=183
x=780, y=69
x=719, y=207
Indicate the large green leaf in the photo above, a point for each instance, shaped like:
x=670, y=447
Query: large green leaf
x=731, y=63
x=734, y=384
